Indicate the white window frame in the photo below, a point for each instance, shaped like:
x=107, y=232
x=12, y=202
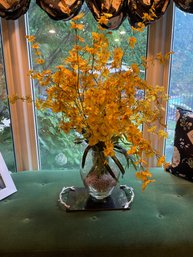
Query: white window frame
x=17, y=65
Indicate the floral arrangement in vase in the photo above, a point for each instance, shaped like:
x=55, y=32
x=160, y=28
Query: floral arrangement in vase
x=105, y=104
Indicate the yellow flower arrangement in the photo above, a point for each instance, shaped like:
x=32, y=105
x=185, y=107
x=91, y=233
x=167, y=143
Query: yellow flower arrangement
x=100, y=100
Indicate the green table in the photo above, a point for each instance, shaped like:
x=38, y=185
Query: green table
x=160, y=222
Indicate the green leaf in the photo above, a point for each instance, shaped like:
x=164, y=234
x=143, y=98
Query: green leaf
x=117, y=162
x=129, y=158
x=85, y=154
x=108, y=168
x=44, y=145
x=52, y=130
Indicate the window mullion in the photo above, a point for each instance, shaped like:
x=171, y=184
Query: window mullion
x=18, y=82
x=159, y=40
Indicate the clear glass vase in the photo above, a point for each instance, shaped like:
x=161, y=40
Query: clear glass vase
x=100, y=174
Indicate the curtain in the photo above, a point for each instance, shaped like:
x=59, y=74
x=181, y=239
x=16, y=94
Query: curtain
x=110, y=13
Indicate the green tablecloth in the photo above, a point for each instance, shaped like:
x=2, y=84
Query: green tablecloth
x=160, y=222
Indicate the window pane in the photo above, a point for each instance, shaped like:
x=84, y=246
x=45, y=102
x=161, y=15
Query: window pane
x=181, y=80
x=6, y=141
x=57, y=150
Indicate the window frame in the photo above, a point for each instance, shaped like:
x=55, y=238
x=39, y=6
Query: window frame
x=17, y=63
x=160, y=39
x=18, y=82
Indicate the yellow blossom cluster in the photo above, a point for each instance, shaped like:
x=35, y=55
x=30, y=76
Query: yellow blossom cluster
x=14, y=98
x=100, y=100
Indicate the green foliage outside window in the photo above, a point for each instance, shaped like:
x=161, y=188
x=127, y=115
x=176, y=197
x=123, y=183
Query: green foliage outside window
x=6, y=141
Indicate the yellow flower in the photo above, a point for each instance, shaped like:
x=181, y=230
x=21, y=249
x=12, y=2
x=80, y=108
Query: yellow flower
x=91, y=50
x=109, y=150
x=163, y=58
x=146, y=183
x=132, y=150
x=35, y=46
x=132, y=41
x=30, y=38
x=80, y=39
x=161, y=161
x=78, y=17
x=38, y=53
x=152, y=129
x=38, y=104
x=147, y=17
x=162, y=133
x=104, y=19
x=117, y=58
x=140, y=27
x=75, y=25
x=96, y=36
x=166, y=165
x=39, y=61
x=135, y=68
x=144, y=176
x=66, y=126
x=13, y=98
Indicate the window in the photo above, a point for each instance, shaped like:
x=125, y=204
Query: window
x=6, y=141
x=57, y=150
x=181, y=79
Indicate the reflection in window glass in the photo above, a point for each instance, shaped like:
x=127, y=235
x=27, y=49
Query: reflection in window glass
x=6, y=141
x=181, y=80
x=57, y=150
